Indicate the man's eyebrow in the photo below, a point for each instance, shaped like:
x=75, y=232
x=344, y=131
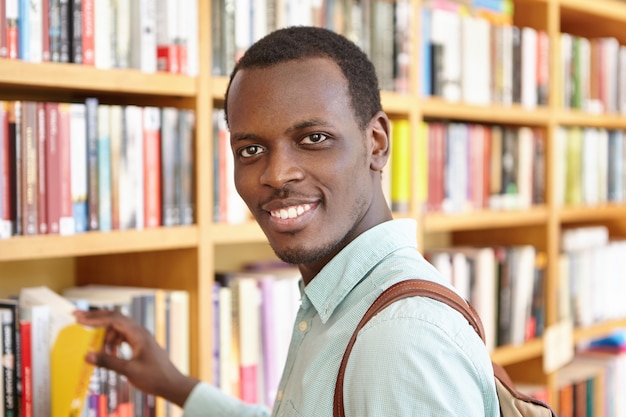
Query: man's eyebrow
x=315, y=121
x=308, y=123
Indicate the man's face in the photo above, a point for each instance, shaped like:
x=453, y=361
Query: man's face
x=302, y=164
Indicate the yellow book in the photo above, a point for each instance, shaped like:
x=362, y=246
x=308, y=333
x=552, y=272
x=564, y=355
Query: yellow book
x=69, y=342
x=401, y=165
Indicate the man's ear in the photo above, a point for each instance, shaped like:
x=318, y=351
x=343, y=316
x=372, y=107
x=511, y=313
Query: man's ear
x=380, y=130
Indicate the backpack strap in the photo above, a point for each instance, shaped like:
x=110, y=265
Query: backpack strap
x=430, y=289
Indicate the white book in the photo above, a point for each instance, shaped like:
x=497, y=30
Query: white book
x=603, y=165
x=35, y=27
x=103, y=34
x=39, y=316
x=78, y=156
x=566, y=77
x=446, y=31
x=188, y=35
x=621, y=80
x=507, y=65
x=131, y=177
x=123, y=32
x=143, y=40
x=529, y=68
x=475, y=60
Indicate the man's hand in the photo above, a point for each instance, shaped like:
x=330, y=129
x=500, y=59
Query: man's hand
x=149, y=368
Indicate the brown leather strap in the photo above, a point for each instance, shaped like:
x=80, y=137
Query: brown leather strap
x=409, y=288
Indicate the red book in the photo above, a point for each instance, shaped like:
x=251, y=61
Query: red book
x=30, y=222
x=26, y=369
x=88, y=23
x=42, y=212
x=168, y=58
x=152, y=166
x=53, y=168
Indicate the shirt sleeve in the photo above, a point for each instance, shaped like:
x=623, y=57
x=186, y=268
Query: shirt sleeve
x=206, y=400
x=404, y=366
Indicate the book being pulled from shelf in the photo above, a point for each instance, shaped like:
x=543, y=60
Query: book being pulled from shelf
x=68, y=343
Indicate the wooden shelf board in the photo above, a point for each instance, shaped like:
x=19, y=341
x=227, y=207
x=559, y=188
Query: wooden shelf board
x=485, y=219
x=581, y=118
x=96, y=243
x=248, y=232
x=598, y=330
x=59, y=76
x=440, y=109
x=592, y=213
x=602, y=9
x=511, y=354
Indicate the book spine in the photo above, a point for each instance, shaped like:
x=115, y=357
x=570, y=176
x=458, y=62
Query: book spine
x=104, y=168
x=88, y=32
x=53, y=168
x=91, y=119
x=54, y=19
x=65, y=35
x=76, y=31
x=26, y=364
x=30, y=225
x=152, y=166
x=12, y=13
x=42, y=190
x=8, y=362
x=3, y=29
x=15, y=166
x=186, y=163
x=66, y=219
x=115, y=132
x=45, y=30
x=5, y=179
x=78, y=154
x=169, y=210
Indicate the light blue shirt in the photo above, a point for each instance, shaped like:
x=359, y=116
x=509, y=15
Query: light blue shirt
x=417, y=357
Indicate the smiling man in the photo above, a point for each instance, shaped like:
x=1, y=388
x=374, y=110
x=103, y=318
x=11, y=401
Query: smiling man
x=310, y=141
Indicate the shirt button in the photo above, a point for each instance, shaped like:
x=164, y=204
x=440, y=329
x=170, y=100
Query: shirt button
x=279, y=395
x=303, y=326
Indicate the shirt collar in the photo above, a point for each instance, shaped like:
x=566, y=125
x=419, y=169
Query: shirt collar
x=331, y=285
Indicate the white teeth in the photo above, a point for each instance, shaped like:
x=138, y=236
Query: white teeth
x=291, y=212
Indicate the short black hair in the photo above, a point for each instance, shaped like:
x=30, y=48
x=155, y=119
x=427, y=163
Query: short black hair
x=298, y=42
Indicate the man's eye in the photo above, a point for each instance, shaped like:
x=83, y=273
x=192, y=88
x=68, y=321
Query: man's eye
x=314, y=138
x=250, y=151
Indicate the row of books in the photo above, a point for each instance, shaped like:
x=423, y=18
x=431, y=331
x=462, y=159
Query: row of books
x=255, y=310
x=147, y=35
x=380, y=27
x=591, y=166
x=474, y=166
x=481, y=60
x=228, y=206
x=591, y=281
x=593, y=383
x=593, y=73
x=505, y=284
x=72, y=167
x=43, y=368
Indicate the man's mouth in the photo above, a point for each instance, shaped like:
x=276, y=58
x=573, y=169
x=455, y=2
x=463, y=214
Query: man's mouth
x=290, y=212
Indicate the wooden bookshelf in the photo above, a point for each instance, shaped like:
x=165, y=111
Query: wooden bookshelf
x=187, y=257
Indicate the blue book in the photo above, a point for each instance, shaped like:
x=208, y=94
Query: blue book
x=105, y=207
x=23, y=30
